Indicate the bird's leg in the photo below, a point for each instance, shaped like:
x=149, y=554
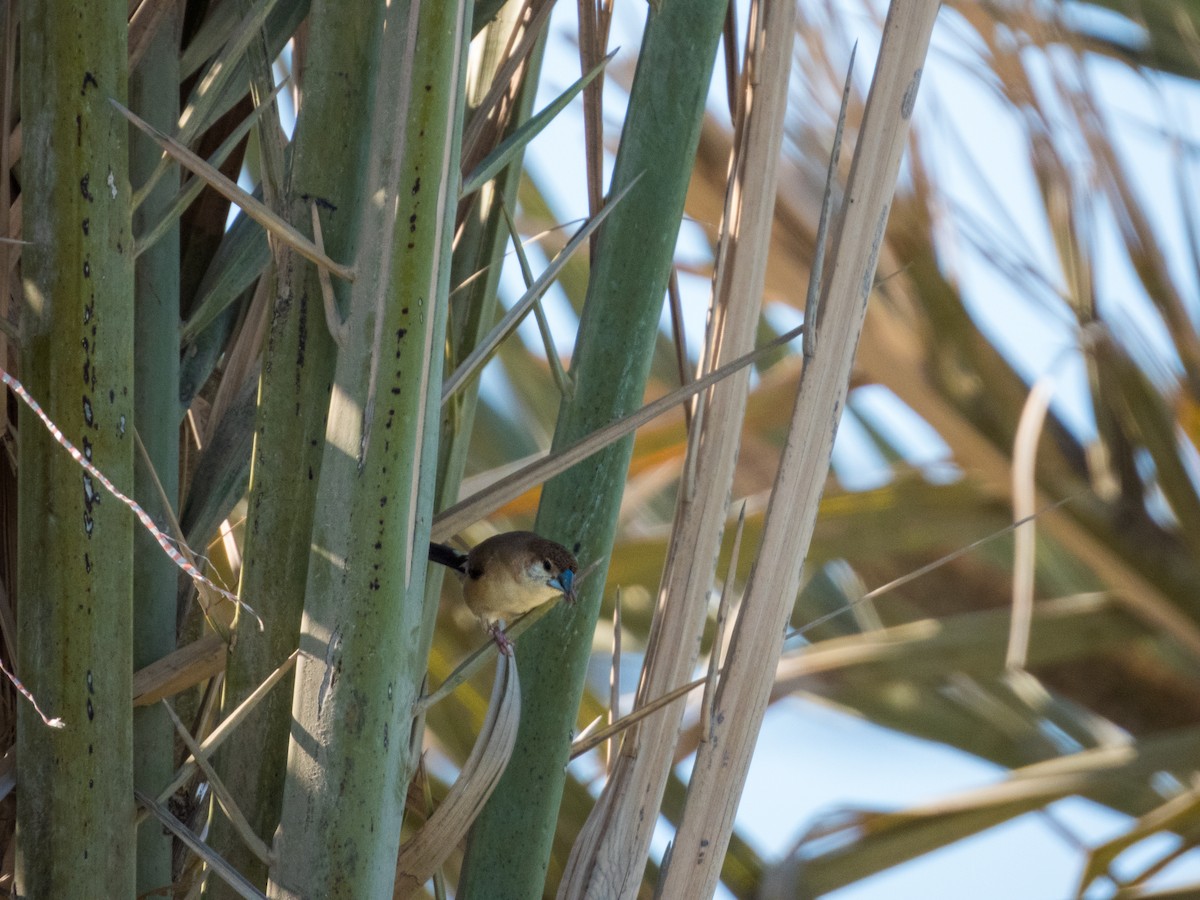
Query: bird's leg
x=496, y=630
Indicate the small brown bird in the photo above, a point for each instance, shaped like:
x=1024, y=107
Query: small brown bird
x=510, y=574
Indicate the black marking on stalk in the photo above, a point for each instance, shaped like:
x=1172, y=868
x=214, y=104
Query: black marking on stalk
x=321, y=202
x=90, y=497
x=910, y=96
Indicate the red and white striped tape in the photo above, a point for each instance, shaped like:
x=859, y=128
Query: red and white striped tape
x=163, y=541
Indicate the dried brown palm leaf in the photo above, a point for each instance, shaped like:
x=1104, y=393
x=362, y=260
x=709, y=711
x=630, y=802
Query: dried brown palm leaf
x=422, y=855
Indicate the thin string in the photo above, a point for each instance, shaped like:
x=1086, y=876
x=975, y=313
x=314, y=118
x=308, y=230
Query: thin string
x=162, y=539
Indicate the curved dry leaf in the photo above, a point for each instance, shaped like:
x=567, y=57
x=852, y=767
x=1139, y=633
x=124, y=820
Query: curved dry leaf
x=421, y=856
x=1024, y=487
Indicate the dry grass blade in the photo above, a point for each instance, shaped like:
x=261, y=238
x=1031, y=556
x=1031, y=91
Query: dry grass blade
x=224, y=61
x=228, y=724
x=488, y=346
x=509, y=148
x=242, y=355
x=144, y=22
x=469, y=666
x=207, y=593
x=723, y=759
x=226, y=801
x=339, y=329
x=714, y=655
x=453, y=520
x=592, y=739
x=210, y=596
x=494, y=110
x=189, y=191
x=595, y=20
x=970, y=643
x=679, y=339
x=255, y=209
x=590, y=728
x=424, y=854
x=532, y=239
x=614, y=680
x=193, y=842
x=729, y=42
x=926, y=569
x=812, y=297
x=561, y=378
x=271, y=136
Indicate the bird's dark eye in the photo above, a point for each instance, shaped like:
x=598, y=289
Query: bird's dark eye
x=547, y=566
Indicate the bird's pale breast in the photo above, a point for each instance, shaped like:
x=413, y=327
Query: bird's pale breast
x=501, y=596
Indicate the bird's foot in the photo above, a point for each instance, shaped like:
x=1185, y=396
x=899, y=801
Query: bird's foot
x=501, y=639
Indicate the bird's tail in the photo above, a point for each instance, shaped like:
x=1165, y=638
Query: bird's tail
x=448, y=557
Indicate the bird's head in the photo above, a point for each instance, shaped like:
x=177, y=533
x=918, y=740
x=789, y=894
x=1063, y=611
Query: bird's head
x=552, y=565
